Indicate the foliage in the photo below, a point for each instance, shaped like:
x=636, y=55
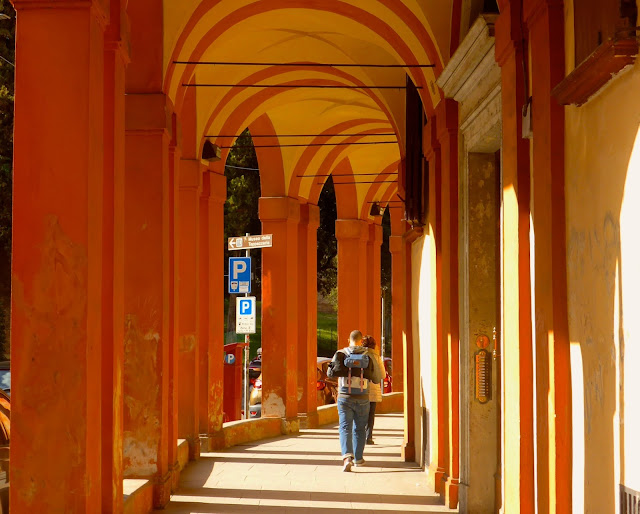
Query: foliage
x=7, y=57
x=327, y=244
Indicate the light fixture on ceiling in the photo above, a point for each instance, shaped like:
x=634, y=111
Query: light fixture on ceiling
x=211, y=152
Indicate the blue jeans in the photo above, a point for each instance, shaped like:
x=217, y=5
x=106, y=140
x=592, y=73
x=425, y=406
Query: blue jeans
x=353, y=415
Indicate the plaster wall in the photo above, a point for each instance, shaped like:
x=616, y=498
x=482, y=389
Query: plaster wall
x=602, y=167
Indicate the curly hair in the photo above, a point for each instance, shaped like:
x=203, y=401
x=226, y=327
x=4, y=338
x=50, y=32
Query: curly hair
x=368, y=342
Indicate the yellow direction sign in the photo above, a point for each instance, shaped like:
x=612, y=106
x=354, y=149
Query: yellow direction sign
x=249, y=242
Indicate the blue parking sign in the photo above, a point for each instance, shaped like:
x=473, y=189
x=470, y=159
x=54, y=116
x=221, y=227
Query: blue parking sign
x=246, y=307
x=239, y=275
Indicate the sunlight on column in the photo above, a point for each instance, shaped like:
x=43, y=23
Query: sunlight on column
x=577, y=400
x=617, y=413
x=627, y=322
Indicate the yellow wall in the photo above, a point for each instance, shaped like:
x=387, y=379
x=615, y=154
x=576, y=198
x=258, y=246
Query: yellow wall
x=603, y=258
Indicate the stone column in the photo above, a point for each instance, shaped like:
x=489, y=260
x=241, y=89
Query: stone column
x=447, y=126
x=189, y=297
x=352, y=236
x=308, y=312
x=397, y=247
x=280, y=217
x=115, y=59
x=57, y=277
x=214, y=194
x=545, y=22
x=517, y=358
x=147, y=300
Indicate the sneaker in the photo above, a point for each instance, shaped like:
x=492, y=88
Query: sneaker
x=370, y=441
x=359, y=463
x=346, y=465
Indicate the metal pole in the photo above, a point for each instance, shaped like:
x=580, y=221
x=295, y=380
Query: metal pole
x=247, y=340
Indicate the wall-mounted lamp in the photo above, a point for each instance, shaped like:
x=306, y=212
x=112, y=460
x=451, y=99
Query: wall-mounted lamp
x=375, y=209
x=211, y=152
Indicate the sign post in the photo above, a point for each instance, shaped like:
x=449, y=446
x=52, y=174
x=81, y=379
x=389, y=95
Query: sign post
x=240, y=282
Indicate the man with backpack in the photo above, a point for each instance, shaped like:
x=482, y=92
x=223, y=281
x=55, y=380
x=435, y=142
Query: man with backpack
x=354, y=370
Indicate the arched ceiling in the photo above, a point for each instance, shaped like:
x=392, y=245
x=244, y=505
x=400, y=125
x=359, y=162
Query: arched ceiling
x=391, y=32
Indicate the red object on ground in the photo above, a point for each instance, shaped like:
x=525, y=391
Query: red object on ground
x=232, y=403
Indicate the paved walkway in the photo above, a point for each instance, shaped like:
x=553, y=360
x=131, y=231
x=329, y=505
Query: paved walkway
x=303, y=473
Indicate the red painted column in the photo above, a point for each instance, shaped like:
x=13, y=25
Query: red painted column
x=147, y=300
x=57, y=265
x=397, y=248
x=439, y=361
x=517, y=358
x=352, y=236
x=190, y=189
x=211, y=351
x=545, y=23
x=447, y=126
x=375, y=259
x=308, y=312
x=115, y=59
x=280, y=217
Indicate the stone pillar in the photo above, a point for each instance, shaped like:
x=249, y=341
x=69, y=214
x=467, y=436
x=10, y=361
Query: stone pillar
x=280, y=217
x=374, y=281
x=545, y=22
x=411, y=381
x=211, y=352
x=447, y=126
x=439, y=418
x=352, y=236
x=147, y=300
x=308, y=312
x=517, y=358
x=189, y=297
x=115, y=59
x=57, y=268
x=396, y=247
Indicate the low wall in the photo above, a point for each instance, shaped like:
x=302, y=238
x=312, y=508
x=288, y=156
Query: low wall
x=391, y=402
x=183, y=453
x=247, y=430
x=138, y=496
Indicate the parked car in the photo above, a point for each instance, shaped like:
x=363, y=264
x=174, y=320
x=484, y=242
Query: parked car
x=327, y=388
x=387, y=382
x=5, y=377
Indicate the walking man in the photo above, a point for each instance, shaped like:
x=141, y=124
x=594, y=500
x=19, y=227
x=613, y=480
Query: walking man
x=354, y=370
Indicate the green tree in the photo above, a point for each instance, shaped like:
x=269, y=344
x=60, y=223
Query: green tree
x=7, y=57
x=327, y=244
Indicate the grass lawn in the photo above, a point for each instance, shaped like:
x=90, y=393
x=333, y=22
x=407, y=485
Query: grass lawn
x=327, y=329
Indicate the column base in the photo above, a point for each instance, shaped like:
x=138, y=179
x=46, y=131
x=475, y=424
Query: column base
x=409, y=452
x=290, y=426
x=212, y=442
x=162, y=489
x=175, y=477
x=308, y=419
x=451, y=492
x=437, y=478
x=194, y=448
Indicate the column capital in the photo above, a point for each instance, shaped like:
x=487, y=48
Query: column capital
x=148, y=113
x=310, y=214
x=508, y=32
x=190, y=177
x=396, y=244
x=278, y=208
x=375, y=233
x=352, y=229
x=214, y=186
x=446, y=119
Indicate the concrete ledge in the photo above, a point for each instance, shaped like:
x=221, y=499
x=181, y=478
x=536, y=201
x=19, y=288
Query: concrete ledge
x=247, y=430
x=183, y=453
x=391, y=402
x=137, y=496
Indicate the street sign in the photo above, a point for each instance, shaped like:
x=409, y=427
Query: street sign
x=246, y=315
x=229, y=358
x=249, y=242
x=239, y=275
